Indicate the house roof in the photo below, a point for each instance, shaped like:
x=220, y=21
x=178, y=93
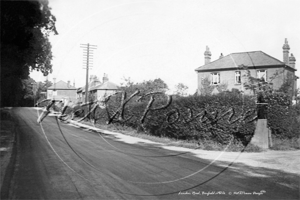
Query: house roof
x=61, y=85
x=107, y=85
x=249, y=59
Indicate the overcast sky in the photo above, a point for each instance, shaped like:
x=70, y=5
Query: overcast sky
x=166, y=38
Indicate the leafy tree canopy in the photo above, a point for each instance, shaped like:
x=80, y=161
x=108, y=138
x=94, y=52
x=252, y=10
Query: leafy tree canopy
x=181, y=89
x=156, y=85
x=25, y=27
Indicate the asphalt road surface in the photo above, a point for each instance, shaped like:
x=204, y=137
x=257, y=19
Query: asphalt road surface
x=57, y=161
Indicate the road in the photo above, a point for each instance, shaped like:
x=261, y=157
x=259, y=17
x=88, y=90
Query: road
x=57, y=161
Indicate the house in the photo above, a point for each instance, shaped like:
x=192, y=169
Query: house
x=81, y=91
x=62, y=91
x=228, y=71
x=97, y=90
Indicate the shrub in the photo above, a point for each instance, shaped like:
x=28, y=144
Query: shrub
x=286, y=144
x=283, y=118
x=252, y=148
x=221, y=118
x=224, y=119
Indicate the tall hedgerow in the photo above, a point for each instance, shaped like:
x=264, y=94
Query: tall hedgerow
x=223, y=118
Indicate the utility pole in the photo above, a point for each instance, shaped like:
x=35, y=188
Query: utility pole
x=54, y=90
x=87, y=61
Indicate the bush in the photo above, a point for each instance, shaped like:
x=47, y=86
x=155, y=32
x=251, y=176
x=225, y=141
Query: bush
x=252, y=148
x=283, y=118
x=286, y=144
x=226, y=119
x=221, y=118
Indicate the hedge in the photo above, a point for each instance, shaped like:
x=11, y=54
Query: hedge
x=223, y=118
x=283, y=118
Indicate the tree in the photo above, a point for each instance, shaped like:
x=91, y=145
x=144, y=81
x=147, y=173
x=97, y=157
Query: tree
x=222, y=87
x=288, y=86
x=42, y=89
x=206, y=87
x=181, y=89
x=156, y=85
x=27, y=92
x=127, y=85
x=25, y=27
x=43, y=86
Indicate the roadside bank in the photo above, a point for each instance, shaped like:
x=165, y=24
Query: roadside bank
x=7, y=141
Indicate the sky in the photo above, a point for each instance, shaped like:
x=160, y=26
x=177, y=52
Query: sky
x=166, y=39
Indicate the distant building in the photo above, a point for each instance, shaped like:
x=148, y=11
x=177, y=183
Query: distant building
x=96, y=89
x=62, y=91
x=228, y=71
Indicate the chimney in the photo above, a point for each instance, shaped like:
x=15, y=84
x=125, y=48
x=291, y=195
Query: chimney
x=105, y=78
x=207, y=55
x=221, y=56
x=54, y=83
x=292, y=61
x=286, y=49
x=68, y=84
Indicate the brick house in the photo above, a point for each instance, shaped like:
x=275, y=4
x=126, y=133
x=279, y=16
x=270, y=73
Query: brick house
x=228, y=71
x=97, y=89
x=62, y=91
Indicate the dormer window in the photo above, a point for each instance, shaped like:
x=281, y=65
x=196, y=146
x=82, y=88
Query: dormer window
x=215, y=78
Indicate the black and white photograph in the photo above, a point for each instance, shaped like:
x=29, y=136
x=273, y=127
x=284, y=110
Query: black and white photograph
x=150, y=99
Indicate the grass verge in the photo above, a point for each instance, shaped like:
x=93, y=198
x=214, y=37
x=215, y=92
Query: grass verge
x=286, y=144
x=204, y=145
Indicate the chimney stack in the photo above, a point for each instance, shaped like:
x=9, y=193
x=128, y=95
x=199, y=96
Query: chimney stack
x=54, y=83
x=105, y=78
x=221, y=56
x=286, y=49
x=292, y=61
x=207, y=55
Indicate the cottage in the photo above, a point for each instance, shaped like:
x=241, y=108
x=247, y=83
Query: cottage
x=227, y=71
x=62, y=91
x=96, y=89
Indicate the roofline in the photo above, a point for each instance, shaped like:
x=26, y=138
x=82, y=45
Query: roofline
x=261, y=52
x=290, y=68
x=95, y=89
x=273, y=58
x=251, y=67
x=102, y=89
x=61, y=89
x=281, y=63
x=228, y=55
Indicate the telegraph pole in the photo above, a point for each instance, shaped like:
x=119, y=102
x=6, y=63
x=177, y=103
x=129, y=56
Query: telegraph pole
x=87, y=61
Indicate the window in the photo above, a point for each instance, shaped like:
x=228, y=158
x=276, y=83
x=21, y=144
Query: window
x=238, y=79
x=215, y=78
x=262, y=74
